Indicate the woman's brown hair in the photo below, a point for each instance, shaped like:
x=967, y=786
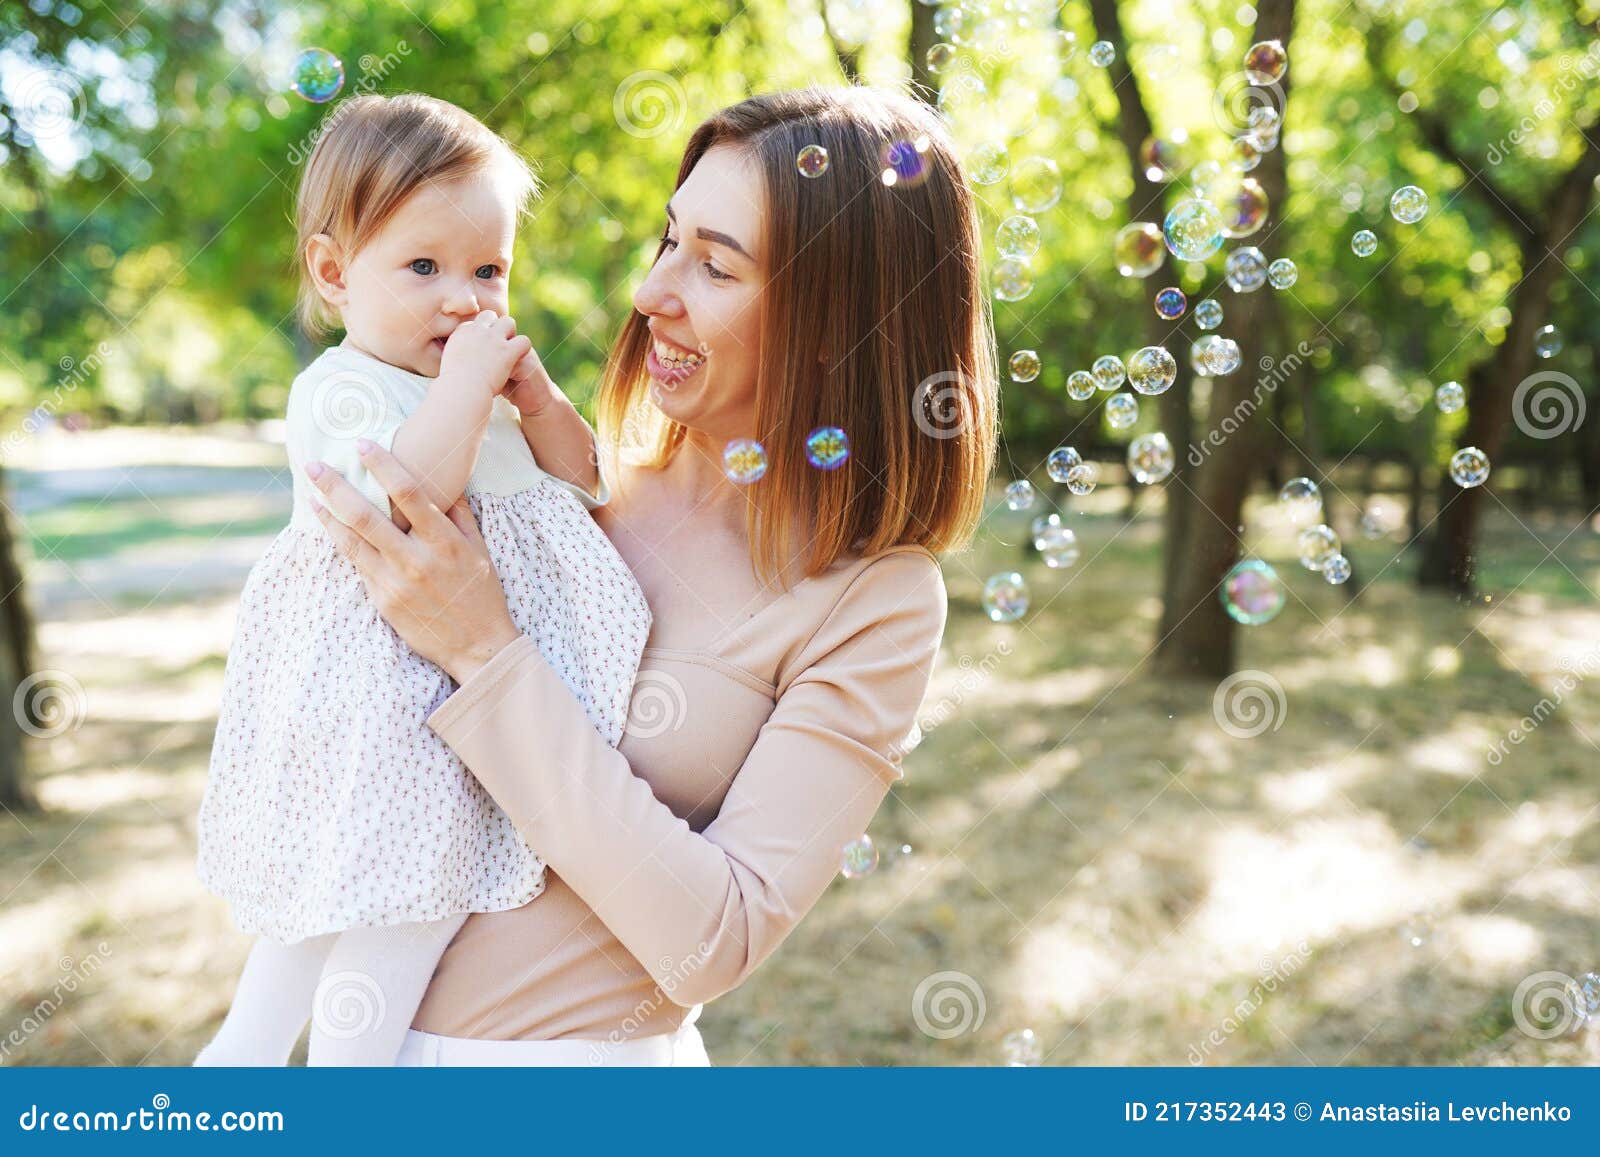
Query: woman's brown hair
x=882, y=279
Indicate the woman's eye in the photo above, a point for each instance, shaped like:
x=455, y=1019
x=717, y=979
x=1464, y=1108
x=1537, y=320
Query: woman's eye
x=717, y=274
x=488, y=271
x=423, y=266
x=670, y=242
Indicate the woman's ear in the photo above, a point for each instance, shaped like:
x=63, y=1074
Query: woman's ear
x=325, y=264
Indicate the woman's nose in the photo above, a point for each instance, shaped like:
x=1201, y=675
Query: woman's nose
x=656, y=295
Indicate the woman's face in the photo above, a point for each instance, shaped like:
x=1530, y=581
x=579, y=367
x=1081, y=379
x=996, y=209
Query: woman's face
x=703, y=295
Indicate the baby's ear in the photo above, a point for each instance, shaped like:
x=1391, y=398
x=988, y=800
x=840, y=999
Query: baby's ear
x=325, y=265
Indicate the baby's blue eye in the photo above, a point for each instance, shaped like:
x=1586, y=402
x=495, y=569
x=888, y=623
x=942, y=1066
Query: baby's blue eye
x=487, y=271
x=423, y=265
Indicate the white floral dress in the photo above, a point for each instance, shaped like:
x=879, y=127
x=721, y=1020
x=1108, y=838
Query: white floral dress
x=330, y=803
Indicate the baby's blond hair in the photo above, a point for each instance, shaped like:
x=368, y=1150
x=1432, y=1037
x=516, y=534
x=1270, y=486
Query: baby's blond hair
x=373, y=153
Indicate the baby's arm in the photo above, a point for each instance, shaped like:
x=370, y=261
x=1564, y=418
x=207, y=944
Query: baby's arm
x=561, y=442
x=439, y=442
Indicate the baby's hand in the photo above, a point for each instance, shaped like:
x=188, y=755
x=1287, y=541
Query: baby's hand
x=529, y=387
x=483, y=351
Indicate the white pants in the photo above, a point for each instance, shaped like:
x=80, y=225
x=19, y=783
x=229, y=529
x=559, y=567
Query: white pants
x=683, y=1047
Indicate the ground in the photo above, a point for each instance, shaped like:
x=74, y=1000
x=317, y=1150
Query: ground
x=1113, y=862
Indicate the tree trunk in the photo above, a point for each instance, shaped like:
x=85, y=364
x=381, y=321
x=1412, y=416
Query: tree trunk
x=16, y=664
x=924, y=84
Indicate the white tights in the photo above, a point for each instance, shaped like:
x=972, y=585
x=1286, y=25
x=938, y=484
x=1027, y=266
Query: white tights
x=359, y=988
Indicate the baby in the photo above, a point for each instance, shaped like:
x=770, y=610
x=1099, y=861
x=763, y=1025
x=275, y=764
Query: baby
x=346, y=836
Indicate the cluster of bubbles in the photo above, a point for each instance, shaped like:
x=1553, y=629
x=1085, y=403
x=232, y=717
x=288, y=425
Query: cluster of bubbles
x=744, y=460
x=1057, y=544
x=1318, y=546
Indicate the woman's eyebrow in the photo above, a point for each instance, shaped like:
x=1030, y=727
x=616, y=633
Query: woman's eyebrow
x=712, y=235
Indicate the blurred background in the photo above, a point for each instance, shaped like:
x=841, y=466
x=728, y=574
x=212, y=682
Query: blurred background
x=1337, y=808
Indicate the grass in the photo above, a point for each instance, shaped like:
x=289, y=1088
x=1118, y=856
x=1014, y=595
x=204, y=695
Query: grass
x=1094, y=856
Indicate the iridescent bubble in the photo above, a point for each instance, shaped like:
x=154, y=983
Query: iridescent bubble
x=1282, y=273
x=1005, y=597
x=1122, y=411
x=1058, y=547
x=1081, y=478
x=963, y=95
x=1060, y=463
x=1246, y=269
x=1244, y=155
x=989, y=163
x=1066, y=44
x=1265, y=62
x=317, y=75
x=1193, y=230
x=950, y=22
x=1208, y=314
x=1019, y=495
x=1024, y=366
x=812, y=161
x=1302, y=498
x=1150, y=458
x=1336, y=570
x=858, y=857
x=905, y=162
x=1138, y=249
x=1161, y=159
x=1081, y=385
x=744, y=460
x=1252, y=593
x=1152, y=370
x=1469, y=466
x=1547, y=342
x=940, y=57
x=1102, y=53
x=1170, y=304
x=1214, y=356
x=1244, y=207
x=1408, y=205
x=1317, y=544
x=1364, y=243
x=1021, y=1049
x=1108, y=371
x=1013, y=280
x=1450, y=397
x=1266, y=123
x=827, y=447
x=1203, y=177
x=1041, y=524
x=1035, y=185
x=1018, y=236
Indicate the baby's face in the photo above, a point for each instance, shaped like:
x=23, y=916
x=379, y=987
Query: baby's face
x=442, y=257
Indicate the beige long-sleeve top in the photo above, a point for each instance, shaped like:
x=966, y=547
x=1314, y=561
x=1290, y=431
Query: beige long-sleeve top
x=680, y=860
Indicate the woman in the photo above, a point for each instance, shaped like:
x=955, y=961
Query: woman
x=796, y=618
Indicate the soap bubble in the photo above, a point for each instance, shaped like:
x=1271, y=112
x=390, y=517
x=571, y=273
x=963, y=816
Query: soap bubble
x=1336, y=570
x=1138, y=249
x=1193, y=230
x=940, y=57
x=1252, y=593
x=905, y=163
x=1302, y=497
x=1469, y=466
x=1019, y=495
x=1265, y=62
x=1122, y=411
x=1102, y=53
x=1246, y=269
x=1547, y=342
x=1108, y=371
x=1013, y=280
x=827, y=447
x=1408, y=205
x=1082, y=477
x=1066, y=44
x=1450, y=397
x=1214, y=356
x=1150, y=458
x=1060, y=463
x=1058, y=547
x=1282, y=273
x=858, y=857
x=1208, y=314
x=1170, y=304
x=1018, y=236
x=744, y=460
x=1081, y=385
x=1244, y=207
x=1364, y=243
x=1204, y=176
x=950, y=22
x=1005, y=597
x=317, y=75
x=988, y=163
x=1152, y=370
x=812, y=161
x=1024, y=366
x=1161, y=159
x=1021, y=1049
x=1041, y=524
x=1035, y=185
x=1244, y=155
x=1317, y=544
x=1265, y=125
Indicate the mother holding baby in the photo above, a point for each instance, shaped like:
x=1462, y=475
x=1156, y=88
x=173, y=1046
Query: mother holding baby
x=796, y=618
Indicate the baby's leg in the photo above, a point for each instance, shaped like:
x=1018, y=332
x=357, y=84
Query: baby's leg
x=271, y=1005
x=371, y=987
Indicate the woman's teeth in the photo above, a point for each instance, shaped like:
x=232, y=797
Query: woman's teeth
x=672, y=357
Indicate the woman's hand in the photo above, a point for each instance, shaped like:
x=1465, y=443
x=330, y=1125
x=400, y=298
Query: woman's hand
x=435, y=585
